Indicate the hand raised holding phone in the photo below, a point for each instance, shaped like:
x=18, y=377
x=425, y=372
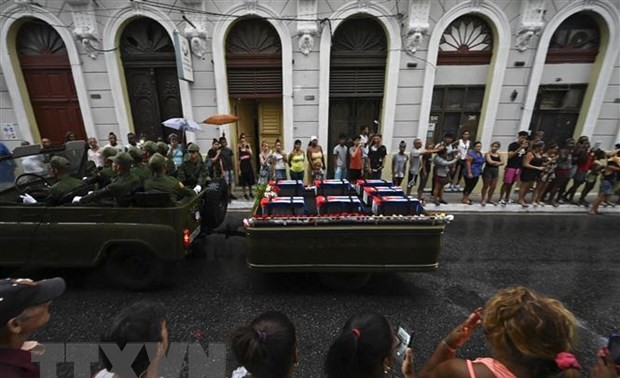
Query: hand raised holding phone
x=459, y=335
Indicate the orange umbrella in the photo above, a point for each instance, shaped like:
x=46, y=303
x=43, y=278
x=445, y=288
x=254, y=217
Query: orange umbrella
x=220, y=119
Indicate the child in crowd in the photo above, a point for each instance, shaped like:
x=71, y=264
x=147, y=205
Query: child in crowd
x=399, y=164
x=318, y=174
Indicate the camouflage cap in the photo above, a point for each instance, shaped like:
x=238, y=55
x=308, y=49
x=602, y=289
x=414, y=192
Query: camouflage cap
x=124, y=158
x=150, y=147
x=108, y=152
x=193, y=147
x=157, y=161
x=162, y=148
x=59, y=162
x=136, y=154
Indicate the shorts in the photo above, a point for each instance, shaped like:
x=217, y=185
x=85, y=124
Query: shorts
x=511, y=175
x=607, y=188
x=412, y=179
x=441, y=181
x=280, y=174
x=580, y=176
x=490, y=173
x=229, y=177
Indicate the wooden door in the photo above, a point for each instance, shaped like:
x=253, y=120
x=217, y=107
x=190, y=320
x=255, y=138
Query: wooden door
x=169, y=97
x=49, y=80
x=270, y=121
x=143, y=98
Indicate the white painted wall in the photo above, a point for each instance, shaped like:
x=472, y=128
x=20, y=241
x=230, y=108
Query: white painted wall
x=461, y=75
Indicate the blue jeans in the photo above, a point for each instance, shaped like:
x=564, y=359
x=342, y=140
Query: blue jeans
x=340, y=173
x=280, y=174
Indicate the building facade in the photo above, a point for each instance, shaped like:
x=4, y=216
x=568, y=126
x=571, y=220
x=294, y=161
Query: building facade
x=292, y=69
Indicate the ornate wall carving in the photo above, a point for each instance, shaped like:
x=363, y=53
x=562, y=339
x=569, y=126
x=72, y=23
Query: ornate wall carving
x=196, y=29
x=417, y=25
x=532, y=12
x=85, y=28
x=307, y=27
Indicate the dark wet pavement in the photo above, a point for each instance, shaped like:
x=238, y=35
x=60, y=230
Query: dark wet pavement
x=574, y=258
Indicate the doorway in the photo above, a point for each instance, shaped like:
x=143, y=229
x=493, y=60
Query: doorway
x=151, y=77
x=49, y=80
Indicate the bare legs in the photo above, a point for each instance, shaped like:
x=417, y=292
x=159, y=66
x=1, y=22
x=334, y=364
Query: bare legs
x=523, y=189
x=488, y=189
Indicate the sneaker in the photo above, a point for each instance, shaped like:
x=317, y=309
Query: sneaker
x=441, y=200
x=251, y=196
x=457, y=188
x=502, y=202
x=232, y=197
x=246, y=197
x=436, y=202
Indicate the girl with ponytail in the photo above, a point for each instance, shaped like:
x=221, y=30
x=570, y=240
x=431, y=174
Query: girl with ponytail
x=266, y=348
x=364, y=348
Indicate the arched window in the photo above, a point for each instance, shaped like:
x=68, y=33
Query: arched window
x=575, y=41
x=468, y=40
x=254, y=59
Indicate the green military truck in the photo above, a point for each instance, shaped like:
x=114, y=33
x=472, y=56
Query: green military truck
x=135, y=245
x=345, y=241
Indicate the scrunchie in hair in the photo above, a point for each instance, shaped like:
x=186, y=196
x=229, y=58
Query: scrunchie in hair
x=566, y=360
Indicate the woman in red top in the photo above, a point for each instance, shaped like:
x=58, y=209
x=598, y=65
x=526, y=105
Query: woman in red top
x=356, y=160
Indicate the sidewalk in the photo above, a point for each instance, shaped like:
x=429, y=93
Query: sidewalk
x=455, y=206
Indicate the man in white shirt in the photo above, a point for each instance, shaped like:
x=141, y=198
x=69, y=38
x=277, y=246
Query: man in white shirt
x=463, y=148
x=94, y=152
x=340, y=161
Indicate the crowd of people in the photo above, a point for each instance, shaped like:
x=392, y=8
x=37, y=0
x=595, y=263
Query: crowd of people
x=542, y=171
x=528, y=335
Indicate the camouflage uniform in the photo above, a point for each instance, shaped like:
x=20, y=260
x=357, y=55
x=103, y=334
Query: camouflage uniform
x=165, y=184
x=139, y=168
x=65, y=185
x=122, y=186
x=190, y=173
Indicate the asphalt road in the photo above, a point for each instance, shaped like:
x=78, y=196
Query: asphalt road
x=571, y=257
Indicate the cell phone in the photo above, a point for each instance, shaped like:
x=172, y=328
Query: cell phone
x=614, y=347
x=403, y=334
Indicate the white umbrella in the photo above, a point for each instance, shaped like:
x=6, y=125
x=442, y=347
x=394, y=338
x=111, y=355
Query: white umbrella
x=182, y=124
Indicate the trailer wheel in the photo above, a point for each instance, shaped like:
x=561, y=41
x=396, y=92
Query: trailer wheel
x=134, y=268
x=344, y=281
x=215, y=204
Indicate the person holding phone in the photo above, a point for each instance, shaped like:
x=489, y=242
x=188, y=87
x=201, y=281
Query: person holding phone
x=246, y=172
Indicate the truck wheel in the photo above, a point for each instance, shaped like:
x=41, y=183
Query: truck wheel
x=344, y=281
x=215, y=204
x=134, y=268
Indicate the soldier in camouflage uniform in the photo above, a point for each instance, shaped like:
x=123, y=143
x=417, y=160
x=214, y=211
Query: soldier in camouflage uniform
x=139, y=168
x=163, y=183
x=162, y=149
x=193, y=172
x=60, y=169
x=123, y=185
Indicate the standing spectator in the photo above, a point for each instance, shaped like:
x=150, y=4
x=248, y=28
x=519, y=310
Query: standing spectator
x=473, y=164
x=417, y=168
x=314, y=153
x=132, y=142
x=562, y=172
x=529, y=335
x=193, y=172
x=460, y=169
x=246, y=171
x=399, y=164
x=113, y=142
x=443, y=161
x=266, y=348
x=376, y=157
x=584, y=156
x=356, y=160
x=297, y=161
x=364, y=141
x=278, y=162
x=550, y=162
x=226, y=160
x=264, y=172
x=69, y=136
x=94, y=152
x=340, y=161
x=532, y=167
x=516, y=151
x=7, y=167
x=490, y=174
x=595, y=168
x=445, y=144
x=364, y=348
x=143, y=323
x=609, y=174
x=176, y=152
x=24, y=309
x=214, y=164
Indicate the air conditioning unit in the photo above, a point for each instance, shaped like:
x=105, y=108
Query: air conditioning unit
x=583, y=38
